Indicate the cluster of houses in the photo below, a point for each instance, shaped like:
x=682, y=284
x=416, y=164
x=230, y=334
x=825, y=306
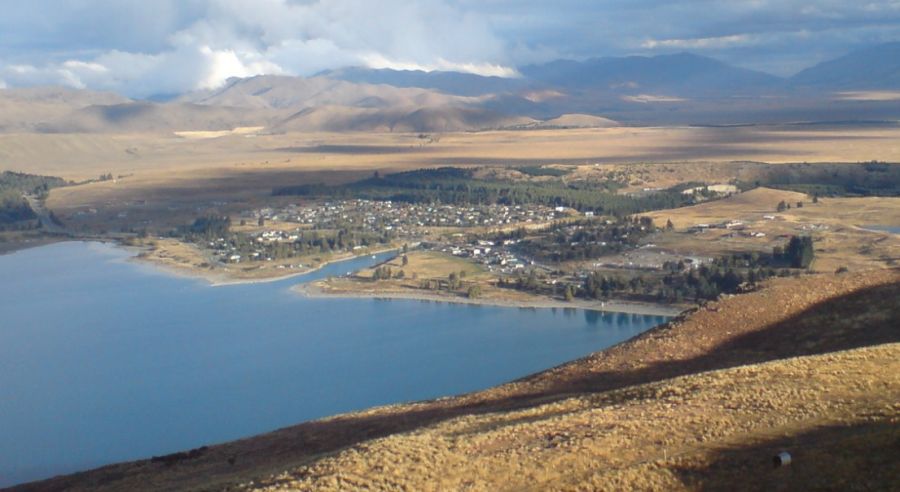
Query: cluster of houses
x=273, y=236
x=496, y=256
x=648, y=257
x=715, y=189
x=402, y=221
x=405, y=218
x=737, y=227
x=225, y=251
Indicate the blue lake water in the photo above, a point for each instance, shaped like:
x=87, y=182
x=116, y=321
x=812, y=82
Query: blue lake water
x=891, y=229
x=104, y=360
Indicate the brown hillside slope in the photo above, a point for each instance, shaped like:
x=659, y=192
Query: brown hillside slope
x=669, y=435
x=790, y=317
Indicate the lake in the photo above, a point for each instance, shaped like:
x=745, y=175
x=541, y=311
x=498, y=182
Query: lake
x=881, y=228
x=103, y=359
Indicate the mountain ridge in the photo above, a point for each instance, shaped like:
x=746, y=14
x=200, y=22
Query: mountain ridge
x=680, y=88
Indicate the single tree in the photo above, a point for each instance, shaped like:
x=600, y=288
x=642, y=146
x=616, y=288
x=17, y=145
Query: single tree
x=474, y=292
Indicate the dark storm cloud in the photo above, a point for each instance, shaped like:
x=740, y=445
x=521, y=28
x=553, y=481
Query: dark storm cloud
x=141, y=47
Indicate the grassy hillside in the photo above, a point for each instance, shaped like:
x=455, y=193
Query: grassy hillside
x=643, y=414
x=715, y=430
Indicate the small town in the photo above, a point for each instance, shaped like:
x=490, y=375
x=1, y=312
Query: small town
x=404, y=218
x=353, y=225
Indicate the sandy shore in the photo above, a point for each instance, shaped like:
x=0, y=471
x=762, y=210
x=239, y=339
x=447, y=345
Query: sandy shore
x=312, y=290
x=219, y=277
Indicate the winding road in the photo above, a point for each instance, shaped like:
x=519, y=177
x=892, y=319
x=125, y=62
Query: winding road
x=48, y=225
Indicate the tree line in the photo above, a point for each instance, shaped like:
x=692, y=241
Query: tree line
x=15, y=212
x=212, y=228
x=456, y=186
x=678, y=281
x=585, y=239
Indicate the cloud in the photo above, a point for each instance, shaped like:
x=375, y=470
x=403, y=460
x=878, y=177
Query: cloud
x=701, y=43
x=228, y=38
x=144, y=48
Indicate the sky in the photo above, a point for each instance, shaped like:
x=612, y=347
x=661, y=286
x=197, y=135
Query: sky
x=143, y=48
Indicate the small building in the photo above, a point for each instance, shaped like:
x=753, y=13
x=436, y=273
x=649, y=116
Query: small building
x=723, y=189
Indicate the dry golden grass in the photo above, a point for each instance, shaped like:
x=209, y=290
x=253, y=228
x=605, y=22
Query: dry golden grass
x=174, y=255
x=750, y=206
x=637, y=438
x=200, y=135
x=166, y=179
x=644, y=414
x=189, y=259
x=425, y=265
x=638, y=176
x=834, y=223
x=80, y=156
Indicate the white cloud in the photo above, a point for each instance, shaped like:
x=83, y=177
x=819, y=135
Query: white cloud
x=142, y=47
x=376, y=60
x=239, y=38
x=702, y=43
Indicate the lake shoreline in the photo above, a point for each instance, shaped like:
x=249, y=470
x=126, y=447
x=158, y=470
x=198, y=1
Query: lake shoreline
x=222, y=278
x=164, y=349
x=613, y=306
x=308, y=289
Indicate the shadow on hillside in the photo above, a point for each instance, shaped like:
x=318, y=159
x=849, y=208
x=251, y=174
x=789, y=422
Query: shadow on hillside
x=866, y=317
x=857, y=457
x=354, y=149
x=869, y=316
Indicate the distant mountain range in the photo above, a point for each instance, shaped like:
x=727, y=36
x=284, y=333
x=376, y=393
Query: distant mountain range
x=868, y=69
x=681, y=88
x=872, y=68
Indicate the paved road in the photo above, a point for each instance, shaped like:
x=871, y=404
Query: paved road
x=47, y=223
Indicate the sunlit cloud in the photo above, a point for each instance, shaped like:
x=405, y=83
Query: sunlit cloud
x=701, y=43
x=170, y=46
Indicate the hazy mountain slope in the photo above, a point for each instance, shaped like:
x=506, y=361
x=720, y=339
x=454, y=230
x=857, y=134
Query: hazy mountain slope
x=30, y=109
x=661, y=90
x=153, y=117
x=678, y=73
x=682, y=73
x=463, y=84
x=398, y=119
x=325, y=104
x=877, y=67
x=283, y=92
x=278, y=103
x=578, y=121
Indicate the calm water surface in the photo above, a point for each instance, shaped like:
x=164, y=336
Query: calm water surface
x=891, y=229
x=104, y=360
